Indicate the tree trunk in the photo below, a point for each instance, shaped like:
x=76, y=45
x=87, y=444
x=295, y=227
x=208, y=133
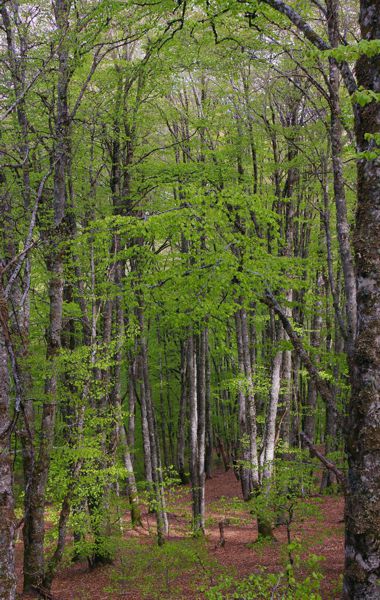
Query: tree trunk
x=249, y=472
x=7, y=517
x=155, y=460
x=267, y=455
x=209, y=433
x=315, y=338
x=342, y=225
x=34, y=527
x=362, y=514
x=181, y=443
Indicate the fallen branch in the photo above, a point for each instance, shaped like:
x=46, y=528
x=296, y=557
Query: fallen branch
x=325, y=461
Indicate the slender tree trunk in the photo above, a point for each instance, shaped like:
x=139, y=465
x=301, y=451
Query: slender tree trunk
x=201, y=362
x=7, y=517
x=249, y=475
x=343, y=228
x=163, y=416
x=193, y=417
x=182, y=414
x=145, y=428
x=315, y=339
x=209, y=432
x=267, y=455
x=331, y=430
x=159, y=496
x=126, y=441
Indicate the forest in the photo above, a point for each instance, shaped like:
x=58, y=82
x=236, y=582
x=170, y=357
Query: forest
x=190, y=299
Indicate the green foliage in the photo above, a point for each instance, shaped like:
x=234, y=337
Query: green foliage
x=179, y=153
x=285, y=498
x=278, y=586
x=158, y=572
x=364, y=97
x=352, y=52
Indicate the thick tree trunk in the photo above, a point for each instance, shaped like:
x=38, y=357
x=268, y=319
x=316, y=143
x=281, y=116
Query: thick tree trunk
x=34, y=527
x=362, y=514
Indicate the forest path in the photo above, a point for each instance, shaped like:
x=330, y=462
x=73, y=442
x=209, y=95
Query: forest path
x=321, y=535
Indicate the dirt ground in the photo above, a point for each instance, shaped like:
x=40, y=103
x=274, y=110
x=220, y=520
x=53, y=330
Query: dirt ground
x=322, y=536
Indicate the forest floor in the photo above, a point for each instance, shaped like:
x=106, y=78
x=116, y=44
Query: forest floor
x=143, y=572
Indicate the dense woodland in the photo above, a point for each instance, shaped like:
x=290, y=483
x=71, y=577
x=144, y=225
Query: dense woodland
x=190, y=277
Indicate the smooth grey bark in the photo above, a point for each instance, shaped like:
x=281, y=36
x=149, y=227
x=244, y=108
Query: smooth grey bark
x=181, y=438
x=162, y=412
x=250, y=404
x=125, y=440
x=193, y=422
x=315, y=340
x=332, y=430
x=201, y=355
x=267, y=453
x=330, y=264
x=155, y=459
x=197, y=348
x=7, y=516
x=145, y=429
x=248, y=470
x=209, y=431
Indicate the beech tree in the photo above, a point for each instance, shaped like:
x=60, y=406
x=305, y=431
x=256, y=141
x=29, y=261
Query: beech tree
x=189, y=271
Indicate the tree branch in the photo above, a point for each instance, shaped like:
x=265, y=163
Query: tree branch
x=322, y=385
x=325, y=461
x=314, y=38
